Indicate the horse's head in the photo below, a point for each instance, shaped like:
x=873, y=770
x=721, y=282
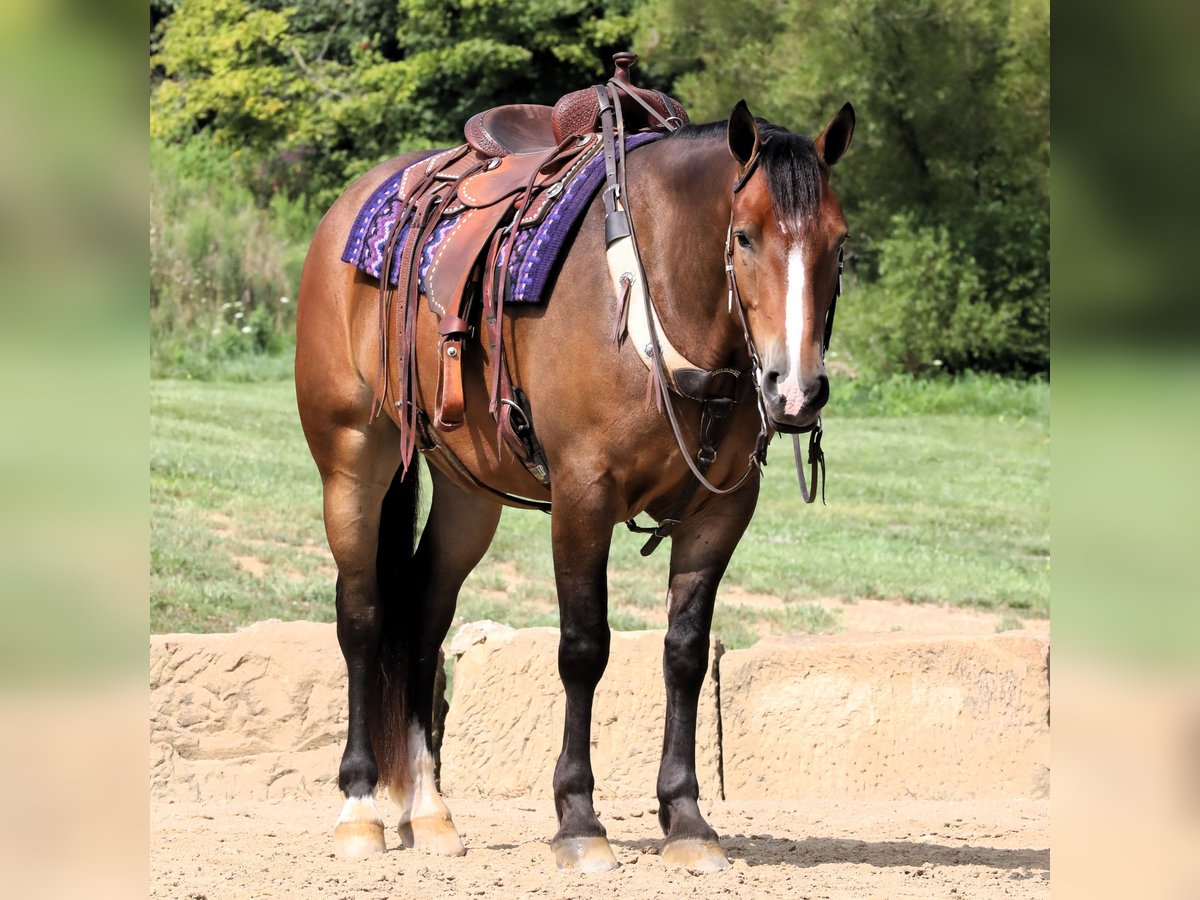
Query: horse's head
x=787, y=231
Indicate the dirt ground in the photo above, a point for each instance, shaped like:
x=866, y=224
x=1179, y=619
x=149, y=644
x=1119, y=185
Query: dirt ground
x=793, y=849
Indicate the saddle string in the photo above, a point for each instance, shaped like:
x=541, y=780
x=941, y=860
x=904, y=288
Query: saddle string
x=670, y=123
x=501, y=287
x=386, y=292
x=425, y=221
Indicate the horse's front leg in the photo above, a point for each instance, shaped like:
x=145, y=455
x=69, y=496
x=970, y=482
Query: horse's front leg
x=581, y=533
x=700, y=551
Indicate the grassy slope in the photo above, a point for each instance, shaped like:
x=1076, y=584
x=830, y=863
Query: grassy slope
x=950, y=508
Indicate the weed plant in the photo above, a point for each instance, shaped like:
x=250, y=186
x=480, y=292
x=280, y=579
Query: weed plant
x=223, y=271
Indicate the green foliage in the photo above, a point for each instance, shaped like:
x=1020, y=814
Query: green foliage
x=317, y=92
x=927, y=310
x=946, y=186
x=222, y=271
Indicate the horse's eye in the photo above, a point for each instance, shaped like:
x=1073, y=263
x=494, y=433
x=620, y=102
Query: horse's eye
x=743, y=241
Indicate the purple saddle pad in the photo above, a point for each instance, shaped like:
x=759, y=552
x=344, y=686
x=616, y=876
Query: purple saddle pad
x=535, y=251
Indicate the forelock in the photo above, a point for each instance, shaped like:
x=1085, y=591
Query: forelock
x=793, y=172
x=790, y=165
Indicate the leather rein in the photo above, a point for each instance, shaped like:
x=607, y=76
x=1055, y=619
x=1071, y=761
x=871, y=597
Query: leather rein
x=715, y=410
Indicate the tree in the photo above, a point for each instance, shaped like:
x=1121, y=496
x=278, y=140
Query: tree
x=313, y=93
x=946, y=188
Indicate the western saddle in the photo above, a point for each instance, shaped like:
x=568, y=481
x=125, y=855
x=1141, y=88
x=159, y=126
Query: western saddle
x=515, y=164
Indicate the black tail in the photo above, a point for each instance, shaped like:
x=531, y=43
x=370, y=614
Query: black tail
x=388, y=697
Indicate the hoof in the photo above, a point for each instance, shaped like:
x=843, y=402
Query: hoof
x=437, y=836
x=587, y=854
x=358, y=840
x=695, y=855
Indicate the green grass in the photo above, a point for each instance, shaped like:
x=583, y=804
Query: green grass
x=949, y=508
x=230, y=477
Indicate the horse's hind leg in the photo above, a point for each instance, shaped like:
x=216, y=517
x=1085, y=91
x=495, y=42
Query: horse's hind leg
x=459, y=530
x=364, y=496
x=700, y=551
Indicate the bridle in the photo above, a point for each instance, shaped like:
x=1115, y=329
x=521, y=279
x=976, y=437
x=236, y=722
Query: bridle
x=715, y=409
x=816, y=456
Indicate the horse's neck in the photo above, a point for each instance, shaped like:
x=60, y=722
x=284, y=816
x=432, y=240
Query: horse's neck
x=683, y=192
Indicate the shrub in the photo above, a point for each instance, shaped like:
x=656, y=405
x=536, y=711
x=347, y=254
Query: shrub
x=223, y=271
x=927, y=311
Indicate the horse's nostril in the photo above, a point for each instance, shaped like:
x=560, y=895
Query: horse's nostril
x=821, y=394
x=771, y=379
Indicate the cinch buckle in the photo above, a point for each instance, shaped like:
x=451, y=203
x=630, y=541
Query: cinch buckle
x=665, y=527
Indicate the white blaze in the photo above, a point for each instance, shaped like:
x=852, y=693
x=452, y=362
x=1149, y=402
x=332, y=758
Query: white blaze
x=797, y=330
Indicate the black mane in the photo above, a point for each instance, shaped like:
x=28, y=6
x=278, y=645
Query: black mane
x=789, y=162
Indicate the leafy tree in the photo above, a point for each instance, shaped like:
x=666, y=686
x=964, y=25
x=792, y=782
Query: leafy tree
x=947, y=185
x=313, y=93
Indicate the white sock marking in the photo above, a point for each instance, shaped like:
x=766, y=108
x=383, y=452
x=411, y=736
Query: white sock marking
x=359, y=809
x=418, y=797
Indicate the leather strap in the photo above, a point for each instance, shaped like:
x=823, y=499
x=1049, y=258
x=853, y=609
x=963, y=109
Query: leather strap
x=448, y=405
x=502, y=271
x=628, y=91
x=816, y=459
x=660, y=378
x=433, y=446
x=714, y=420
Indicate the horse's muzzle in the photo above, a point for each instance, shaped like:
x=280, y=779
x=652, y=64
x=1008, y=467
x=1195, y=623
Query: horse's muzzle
x=816, y=395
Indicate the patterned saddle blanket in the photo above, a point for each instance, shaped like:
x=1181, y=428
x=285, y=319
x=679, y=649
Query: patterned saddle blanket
x=536, y=250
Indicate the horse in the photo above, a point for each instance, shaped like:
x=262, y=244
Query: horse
x=740, y=193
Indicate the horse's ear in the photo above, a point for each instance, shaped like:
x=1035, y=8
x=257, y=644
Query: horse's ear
x=833, y=142
x=743, y=134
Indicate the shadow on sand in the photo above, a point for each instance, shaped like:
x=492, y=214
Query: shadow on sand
x=818, y=851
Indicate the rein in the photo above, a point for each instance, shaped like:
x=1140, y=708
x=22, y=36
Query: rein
x=618, y=226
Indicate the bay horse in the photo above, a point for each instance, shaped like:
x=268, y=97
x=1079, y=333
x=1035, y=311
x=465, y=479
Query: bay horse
x=610, y=450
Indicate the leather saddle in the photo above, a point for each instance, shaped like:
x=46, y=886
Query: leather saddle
x=515, y=164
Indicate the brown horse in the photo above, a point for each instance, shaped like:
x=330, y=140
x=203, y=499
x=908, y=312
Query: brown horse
x=612, y=455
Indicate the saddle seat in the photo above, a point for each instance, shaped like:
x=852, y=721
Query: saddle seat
x=519, y=129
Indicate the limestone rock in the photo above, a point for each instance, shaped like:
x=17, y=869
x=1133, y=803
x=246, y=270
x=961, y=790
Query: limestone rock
x=473, y=633
x=260, y=713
